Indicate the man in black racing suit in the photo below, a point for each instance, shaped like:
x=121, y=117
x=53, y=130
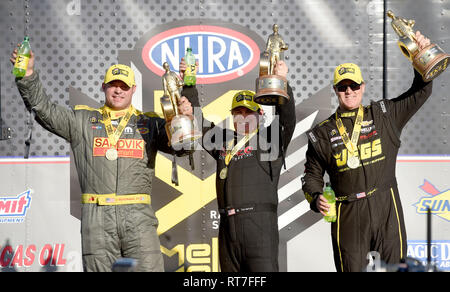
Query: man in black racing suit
x=247, y=180
x=369, y=212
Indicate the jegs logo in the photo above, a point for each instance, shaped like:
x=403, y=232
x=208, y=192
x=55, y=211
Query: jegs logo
x=223, y=53
x=14, y=209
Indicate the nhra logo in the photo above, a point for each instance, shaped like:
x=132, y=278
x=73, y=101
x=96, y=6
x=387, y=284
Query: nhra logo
x=223, y=54
x=14, y=209
x=437, y=201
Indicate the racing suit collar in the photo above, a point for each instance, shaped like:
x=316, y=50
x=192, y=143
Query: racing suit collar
x=342, y=113
x=117, y=114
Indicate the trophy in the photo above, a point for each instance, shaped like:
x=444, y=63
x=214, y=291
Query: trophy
x=430, y=61
x=179, y=128
x=271, y=89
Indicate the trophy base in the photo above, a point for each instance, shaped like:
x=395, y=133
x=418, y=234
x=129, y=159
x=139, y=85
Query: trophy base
x=431, y=62
x=186, y=141
x=271, y=90
x=181, y=133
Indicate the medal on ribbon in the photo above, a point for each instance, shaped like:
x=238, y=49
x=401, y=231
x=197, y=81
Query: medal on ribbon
x=223, y=173
x=114, y=135
x=230, y=153
x=112, y=154
x=353, y=160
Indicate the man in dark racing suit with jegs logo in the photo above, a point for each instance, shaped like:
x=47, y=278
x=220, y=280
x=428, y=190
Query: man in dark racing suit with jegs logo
x=249, y=160
x=357, y=146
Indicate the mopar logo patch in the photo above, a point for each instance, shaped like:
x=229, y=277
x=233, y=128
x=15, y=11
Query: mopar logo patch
x=223, y=53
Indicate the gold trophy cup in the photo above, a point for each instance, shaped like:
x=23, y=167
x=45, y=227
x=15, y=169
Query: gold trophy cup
x=271, y=89
x=180, y=129
x=431, y=61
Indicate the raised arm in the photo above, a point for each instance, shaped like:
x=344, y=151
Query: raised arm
x=57, y=119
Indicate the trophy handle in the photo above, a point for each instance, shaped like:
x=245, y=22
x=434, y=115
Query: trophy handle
x=408, y=47
x=264, y=64
x=167, y=108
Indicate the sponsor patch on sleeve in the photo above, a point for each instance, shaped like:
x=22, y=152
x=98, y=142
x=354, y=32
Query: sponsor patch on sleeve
x=312, y=137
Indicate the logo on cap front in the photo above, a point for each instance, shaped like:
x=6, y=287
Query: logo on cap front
x=345, y=70
x=241, y=97
x=118, y=71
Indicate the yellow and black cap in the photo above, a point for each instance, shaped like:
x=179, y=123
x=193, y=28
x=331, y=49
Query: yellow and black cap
x=245, y=98
x=347, y=71
x=120, y=72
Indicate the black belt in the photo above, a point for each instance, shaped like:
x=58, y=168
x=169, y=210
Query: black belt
x=264, y=207
x=354, y=197
x=363, y=195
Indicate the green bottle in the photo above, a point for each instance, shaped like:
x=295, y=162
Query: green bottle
x=191, y=70
x=23, y=56
x=328, y=193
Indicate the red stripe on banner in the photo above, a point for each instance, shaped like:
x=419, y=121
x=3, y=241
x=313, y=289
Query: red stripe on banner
x=34, y=162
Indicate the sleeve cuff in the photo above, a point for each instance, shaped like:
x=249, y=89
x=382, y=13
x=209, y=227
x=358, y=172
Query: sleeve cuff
x=24, y=81
x=312, y=198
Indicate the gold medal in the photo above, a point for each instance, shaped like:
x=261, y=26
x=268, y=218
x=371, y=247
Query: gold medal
x=111, y=154
x=223, y=173
x=351, y=145
x=114, y=134
x=353, y=162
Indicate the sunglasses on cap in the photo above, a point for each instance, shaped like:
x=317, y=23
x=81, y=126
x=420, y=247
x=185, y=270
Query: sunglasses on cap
x=342, y=88
x=241, y=97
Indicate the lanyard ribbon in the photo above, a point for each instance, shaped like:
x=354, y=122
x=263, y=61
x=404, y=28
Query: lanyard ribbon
x=231, y=153
x=114, y=135
x=351, y=145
